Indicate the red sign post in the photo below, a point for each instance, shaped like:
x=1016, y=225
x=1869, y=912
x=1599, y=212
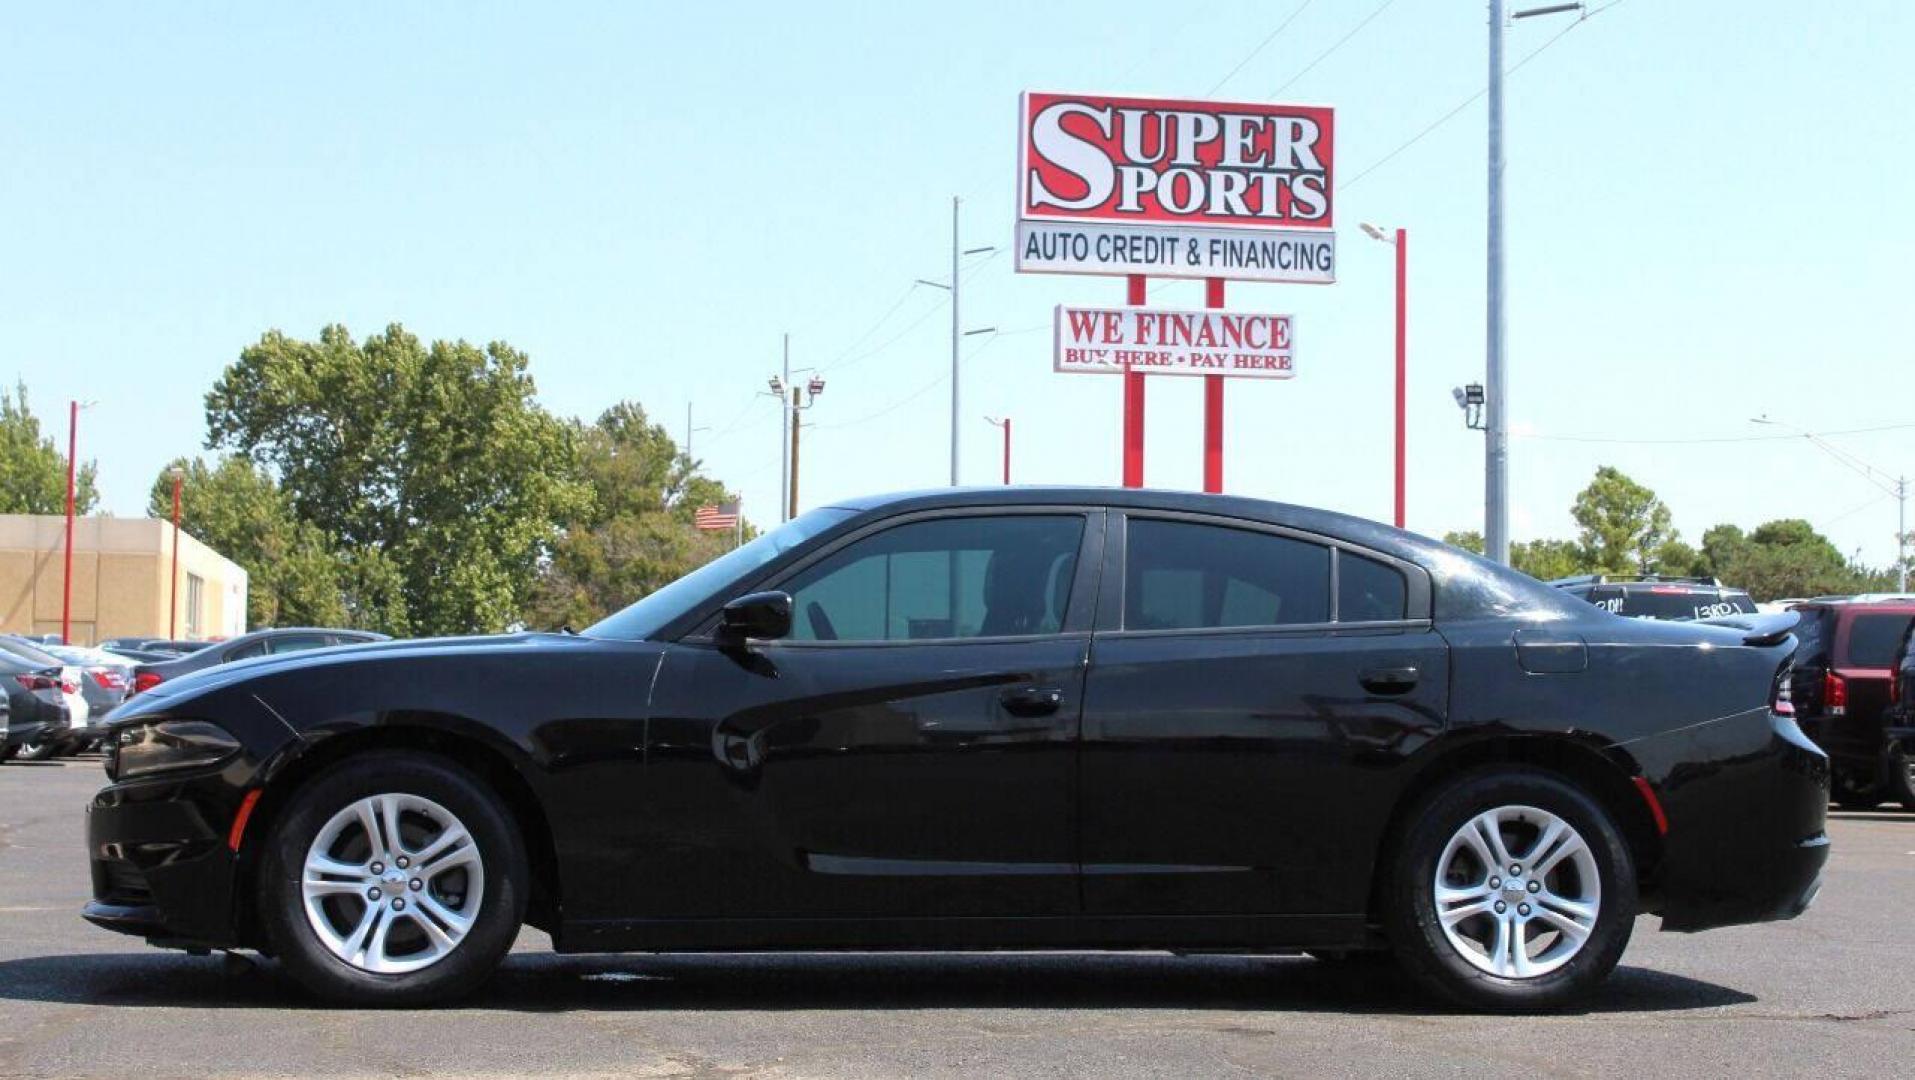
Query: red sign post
x=1169, y=187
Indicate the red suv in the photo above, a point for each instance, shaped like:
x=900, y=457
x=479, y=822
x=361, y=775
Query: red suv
x=1844, y=665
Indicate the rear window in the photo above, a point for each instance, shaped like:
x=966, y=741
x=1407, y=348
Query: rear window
x=1873, y=639
x=1812, y=636
x=1664, y=602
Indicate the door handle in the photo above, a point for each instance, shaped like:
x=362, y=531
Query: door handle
x=1031, y=701
x=1392, y=680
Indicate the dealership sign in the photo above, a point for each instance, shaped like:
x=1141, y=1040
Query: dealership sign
x=1296, y=257
x=1175, y=188
x=1155, y=342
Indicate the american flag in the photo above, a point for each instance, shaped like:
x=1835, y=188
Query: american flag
x=716, y=518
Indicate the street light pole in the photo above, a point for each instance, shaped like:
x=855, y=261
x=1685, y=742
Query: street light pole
x=66, y=581
x=1006, y=425
x=173, y=606
x=1401, y=242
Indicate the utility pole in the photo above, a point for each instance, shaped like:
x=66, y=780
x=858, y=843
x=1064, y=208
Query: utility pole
x=957, y=334
x=785, y=496
x=797, y=421
x=1896, y=486
x=956, y=386
x=689, y=430
x=1496, y=446
x=802, y=398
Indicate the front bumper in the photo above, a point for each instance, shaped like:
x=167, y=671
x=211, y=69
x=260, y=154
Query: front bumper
x=1747, y=802
x=161, y=868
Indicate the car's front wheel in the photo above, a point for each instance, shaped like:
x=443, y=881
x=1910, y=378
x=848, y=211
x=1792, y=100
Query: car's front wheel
x=1511, y=890
x=393, y=879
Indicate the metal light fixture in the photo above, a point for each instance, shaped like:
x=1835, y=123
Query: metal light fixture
x=1470, y=399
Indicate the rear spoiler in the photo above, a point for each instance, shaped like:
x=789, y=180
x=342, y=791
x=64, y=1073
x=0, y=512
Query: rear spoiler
x=1759, y=629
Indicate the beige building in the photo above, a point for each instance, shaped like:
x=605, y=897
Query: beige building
x=121, y=580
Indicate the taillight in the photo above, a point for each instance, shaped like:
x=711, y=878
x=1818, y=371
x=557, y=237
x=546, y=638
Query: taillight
x=36, y=681
x=108, y=679
x=1835, y=694
x=1783, y=702
x=146, y=680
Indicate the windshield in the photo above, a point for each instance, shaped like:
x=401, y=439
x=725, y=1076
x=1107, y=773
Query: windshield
x=648, y=616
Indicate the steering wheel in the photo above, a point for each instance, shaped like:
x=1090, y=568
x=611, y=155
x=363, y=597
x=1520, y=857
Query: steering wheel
x=821, y=627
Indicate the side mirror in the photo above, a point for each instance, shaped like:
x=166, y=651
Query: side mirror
x=763, y=615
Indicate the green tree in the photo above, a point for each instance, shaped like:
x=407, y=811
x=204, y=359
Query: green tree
x=635, y=534
x=1547, y=560
x=1467, y=539
x=1623, y=524
x=434, y=468
x=293, y=576
x=32, y=468
x=1781, y=558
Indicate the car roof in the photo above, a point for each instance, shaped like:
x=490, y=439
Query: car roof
x=1307, y=518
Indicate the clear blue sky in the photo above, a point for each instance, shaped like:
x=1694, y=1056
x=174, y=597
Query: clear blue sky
x=1706, y=222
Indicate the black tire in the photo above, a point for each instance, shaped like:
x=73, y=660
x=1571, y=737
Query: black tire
x=39, y=749
x=1851, y=792
x=8, y=751
x=502, y=901
x=1901, y=777
x=1410, y=916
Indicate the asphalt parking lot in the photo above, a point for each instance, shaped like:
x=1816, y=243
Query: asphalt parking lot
x=1831, y=994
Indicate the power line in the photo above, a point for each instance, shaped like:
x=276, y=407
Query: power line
x=866, y=336
x=1474, y=98
x=1261, y=45
x=943, y=377
x=1325, y=54
x=1616, y=441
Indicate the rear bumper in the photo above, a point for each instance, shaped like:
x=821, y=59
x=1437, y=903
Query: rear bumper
x=19, y=734
x=1747, y=802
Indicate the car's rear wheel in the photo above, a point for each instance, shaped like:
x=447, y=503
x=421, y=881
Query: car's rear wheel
x=393, y=878
x=1852, y=792
x=39, y=749
x=1901, y=776
x=1511, y=890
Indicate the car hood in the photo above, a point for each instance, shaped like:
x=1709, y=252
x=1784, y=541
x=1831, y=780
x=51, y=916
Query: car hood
x=221, y=676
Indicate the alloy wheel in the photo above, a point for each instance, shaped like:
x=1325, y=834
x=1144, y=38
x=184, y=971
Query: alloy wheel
x=1517, y=892
x=392, y=883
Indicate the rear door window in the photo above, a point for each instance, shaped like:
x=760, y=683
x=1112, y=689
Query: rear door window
x=1186, y=576
x=1369, y=591
x=1874, y=638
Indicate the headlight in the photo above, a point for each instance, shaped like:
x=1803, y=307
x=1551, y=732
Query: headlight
x=169, y=744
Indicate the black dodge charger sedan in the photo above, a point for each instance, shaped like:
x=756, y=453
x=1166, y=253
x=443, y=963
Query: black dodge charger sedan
x=1008, y=718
